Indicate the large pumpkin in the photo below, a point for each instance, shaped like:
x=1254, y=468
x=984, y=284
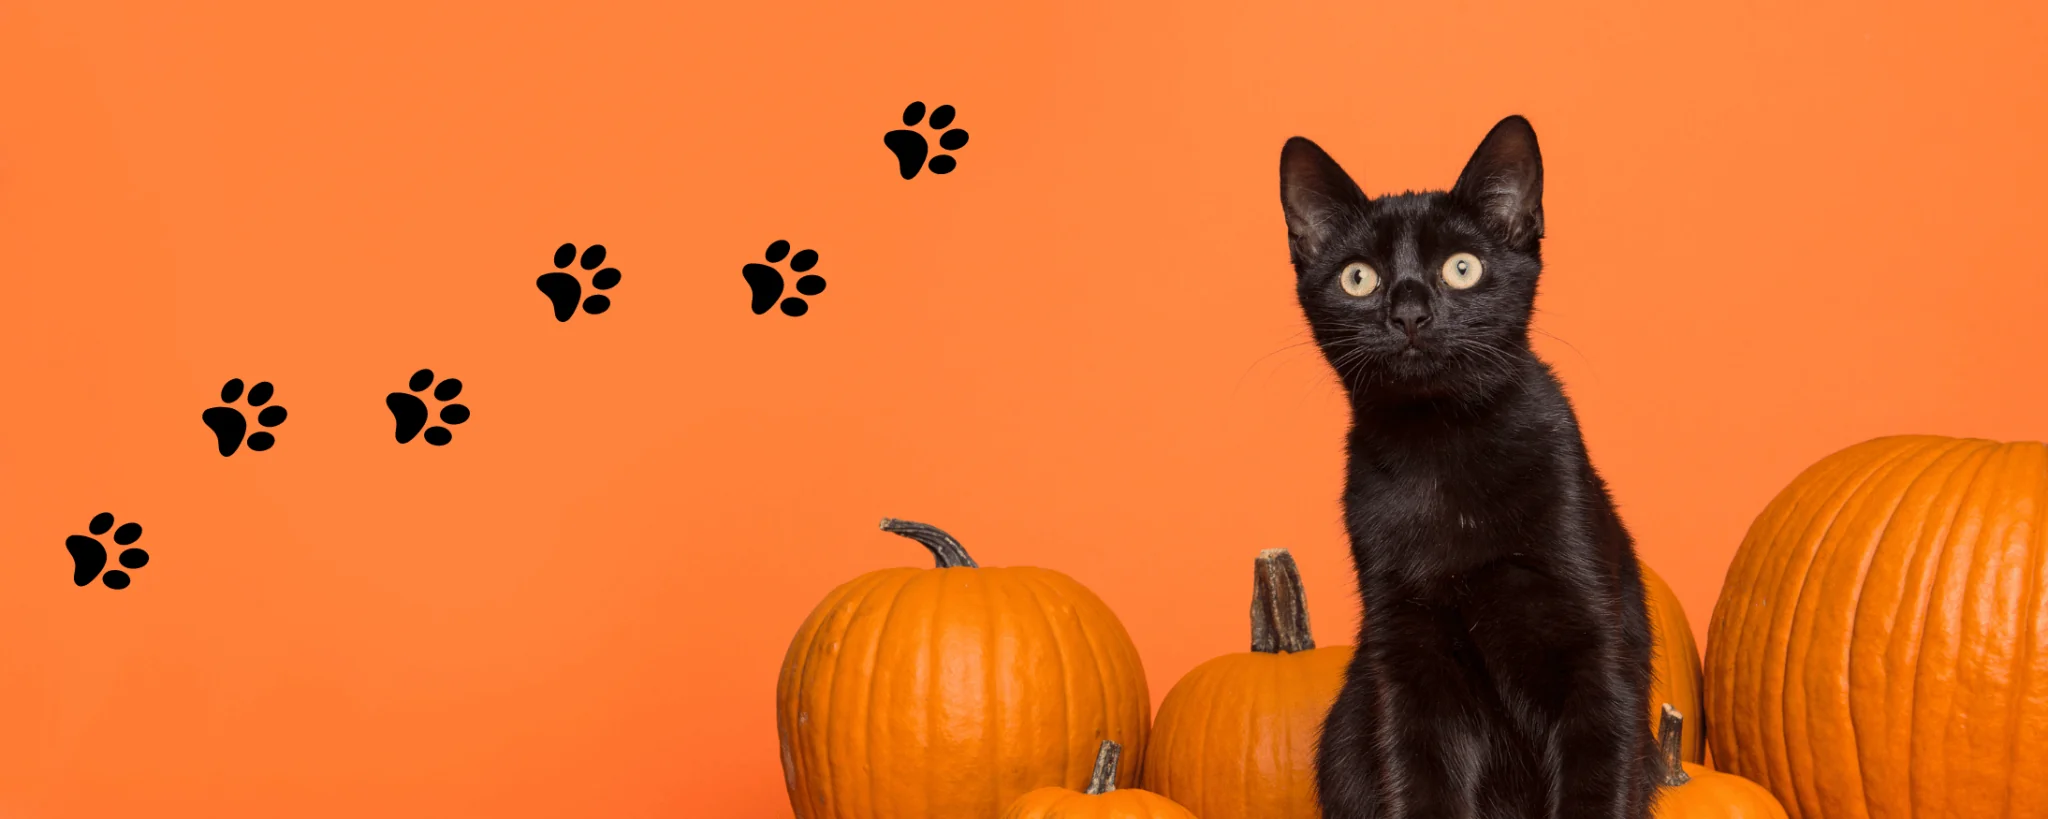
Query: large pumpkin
x=1675, y=659
x=1102, y=799
x=1235, y=738
x=1692, y=791
x=952, y=691
x=1880, y=647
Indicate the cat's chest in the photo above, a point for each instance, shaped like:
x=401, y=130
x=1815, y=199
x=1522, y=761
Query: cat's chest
x=1485, y=506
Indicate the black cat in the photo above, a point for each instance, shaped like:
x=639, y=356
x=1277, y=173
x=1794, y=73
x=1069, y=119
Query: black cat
x=1503, y=669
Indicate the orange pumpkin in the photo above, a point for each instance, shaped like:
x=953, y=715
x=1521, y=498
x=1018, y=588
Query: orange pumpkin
x=1102, y=799
x=1880, y=646
x=1675, y=658
x=1697, y=792
x=952, y=691
x=1235, y=738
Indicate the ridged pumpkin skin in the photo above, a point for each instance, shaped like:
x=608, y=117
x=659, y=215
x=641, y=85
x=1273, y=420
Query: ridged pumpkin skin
x=1880, y=646
x=1235, y=738
x=950, y=692
x=1101, y=800
x=1675, y=657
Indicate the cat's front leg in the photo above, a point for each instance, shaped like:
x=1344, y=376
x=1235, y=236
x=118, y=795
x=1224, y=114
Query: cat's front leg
x=1347, y=762
x=1426, y=716
x=1601, y=743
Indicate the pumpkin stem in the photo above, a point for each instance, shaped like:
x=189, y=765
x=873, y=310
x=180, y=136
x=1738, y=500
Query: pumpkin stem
x=1104, y=779
x=1670, y=730
x=949, y=553
x=1279, y=608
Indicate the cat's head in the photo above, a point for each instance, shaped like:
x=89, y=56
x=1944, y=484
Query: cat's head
x=1420, y=295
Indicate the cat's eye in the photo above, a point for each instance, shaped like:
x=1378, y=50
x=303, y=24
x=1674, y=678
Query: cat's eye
x=1359, y=279
x=1461, y=271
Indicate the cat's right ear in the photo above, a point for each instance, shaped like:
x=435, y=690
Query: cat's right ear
x=1316, y=195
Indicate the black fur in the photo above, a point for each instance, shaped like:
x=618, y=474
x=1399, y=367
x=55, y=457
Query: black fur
x=1504, y=666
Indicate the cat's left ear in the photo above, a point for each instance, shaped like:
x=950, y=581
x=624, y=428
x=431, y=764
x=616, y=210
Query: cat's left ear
x=1504, y=181
x=1316, y=195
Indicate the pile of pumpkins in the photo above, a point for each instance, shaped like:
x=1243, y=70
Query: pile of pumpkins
x=1879, y=649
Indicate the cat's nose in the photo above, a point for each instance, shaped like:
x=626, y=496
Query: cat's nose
x=1411, y=315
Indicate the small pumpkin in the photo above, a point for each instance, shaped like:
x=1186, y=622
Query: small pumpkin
x=1101, y=800
x=1880, y=645
x=1697, y=792
x=1235, y=738
x=1675, y=659
x=951, y=691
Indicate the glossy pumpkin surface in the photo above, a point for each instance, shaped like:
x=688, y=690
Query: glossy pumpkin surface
x=1880, y=645
x=1101, y=799
x=1675, y=660
x=1235, y=738
x=1692, y=791
x=952, y=691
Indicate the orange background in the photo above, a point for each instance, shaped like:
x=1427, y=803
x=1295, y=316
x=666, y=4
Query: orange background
x=1773, y=233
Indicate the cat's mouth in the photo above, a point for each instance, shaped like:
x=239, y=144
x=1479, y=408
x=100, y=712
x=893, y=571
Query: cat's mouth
x=1414, y=346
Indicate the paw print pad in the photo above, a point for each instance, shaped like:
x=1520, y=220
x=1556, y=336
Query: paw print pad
x=565, y=291
x=766, y=280
x=89, y=555
x=410, y=412
x=229, y=424
x=911, y=147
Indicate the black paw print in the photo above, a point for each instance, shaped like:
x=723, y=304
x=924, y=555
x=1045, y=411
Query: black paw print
x=910, y=147
x=565, y=291
x=229, y=423
x=767, y=281
x=411, y=413
x=89, y=556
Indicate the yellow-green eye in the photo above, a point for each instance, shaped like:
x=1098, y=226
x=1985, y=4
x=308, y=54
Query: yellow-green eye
x=1461, y=270
x=1359, y=279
